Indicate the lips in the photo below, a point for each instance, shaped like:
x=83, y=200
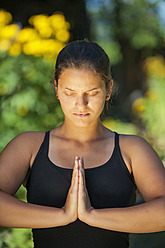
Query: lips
x=81, y=115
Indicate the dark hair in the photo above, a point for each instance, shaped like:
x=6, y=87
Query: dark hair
x=84, y=55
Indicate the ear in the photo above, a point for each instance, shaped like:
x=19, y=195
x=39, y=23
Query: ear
x=56, y=87
x=109, y=90
x=55, y=83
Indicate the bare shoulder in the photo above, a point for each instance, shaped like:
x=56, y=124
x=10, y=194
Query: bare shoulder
x=27, y=141
x=135, y=145
x=35, y=135
x=147, y=168
x=132, y=139
x=128, y=146
x=16, y=159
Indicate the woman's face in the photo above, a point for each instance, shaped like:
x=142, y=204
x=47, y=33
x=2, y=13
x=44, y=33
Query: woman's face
x=82, y=95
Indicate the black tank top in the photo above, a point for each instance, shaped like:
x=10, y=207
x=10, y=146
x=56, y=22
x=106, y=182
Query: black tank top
x=109, y=186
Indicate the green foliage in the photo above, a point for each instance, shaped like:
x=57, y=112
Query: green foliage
x=113, y=51
x=153, y=114
x=16, y=238
x=138, y=22
x=120, y=126
x=27, y=101
x=134, y=21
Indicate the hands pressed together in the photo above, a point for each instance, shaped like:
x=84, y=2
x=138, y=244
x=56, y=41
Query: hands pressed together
x=77, y=204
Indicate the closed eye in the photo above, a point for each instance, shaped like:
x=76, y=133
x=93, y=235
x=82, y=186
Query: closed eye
x=88, y=93
x=93, y=93
x=69, y=93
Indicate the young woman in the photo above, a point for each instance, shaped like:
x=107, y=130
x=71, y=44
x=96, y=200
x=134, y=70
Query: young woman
x=81, y=177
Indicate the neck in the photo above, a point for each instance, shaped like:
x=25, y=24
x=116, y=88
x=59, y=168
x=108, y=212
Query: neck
x=83, y=134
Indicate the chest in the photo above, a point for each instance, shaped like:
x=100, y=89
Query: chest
x=63, y=153
x=108, y=181
x=108, y=185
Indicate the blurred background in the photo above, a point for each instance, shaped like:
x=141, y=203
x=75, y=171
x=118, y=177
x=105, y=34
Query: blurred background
x=133, y=35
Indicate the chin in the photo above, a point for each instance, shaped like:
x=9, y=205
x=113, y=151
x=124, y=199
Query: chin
x=81, y=124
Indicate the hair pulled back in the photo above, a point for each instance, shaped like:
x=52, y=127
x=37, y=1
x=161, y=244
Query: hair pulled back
x=84, y=55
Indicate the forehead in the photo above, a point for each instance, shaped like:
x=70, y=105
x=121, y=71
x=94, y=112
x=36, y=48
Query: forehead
x=80, y=78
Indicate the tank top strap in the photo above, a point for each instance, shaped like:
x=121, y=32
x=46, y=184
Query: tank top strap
x=122, y=162
x=116, y=139
x=44, y=148
x=46, y=143
x=116, y=145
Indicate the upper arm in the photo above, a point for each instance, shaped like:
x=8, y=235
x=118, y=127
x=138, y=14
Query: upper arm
x=147, y=168
x=15, y=161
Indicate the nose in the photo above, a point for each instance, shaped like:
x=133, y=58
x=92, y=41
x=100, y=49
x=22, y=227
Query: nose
x=81, y=101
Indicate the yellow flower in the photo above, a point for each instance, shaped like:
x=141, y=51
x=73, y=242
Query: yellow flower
x=45, y=31
x=138, y=106
x=67, y=25
x=33, y=47
x=38, y=20
x=27, y=34
x=42, y=25
x=57, y=21
x=4, y=45
x=22, y=109
x=46, y=37
x=43, y=47
x=53, y=47
x=9, y=31
x=5, y=18
x=15, y=49
x=155, y=66
x=62, y=35
x=151, y=95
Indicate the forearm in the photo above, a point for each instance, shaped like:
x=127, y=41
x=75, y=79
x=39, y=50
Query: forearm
x=16, y=213
x=143, y=218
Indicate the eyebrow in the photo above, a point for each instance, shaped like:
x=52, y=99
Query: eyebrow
x=87, y=90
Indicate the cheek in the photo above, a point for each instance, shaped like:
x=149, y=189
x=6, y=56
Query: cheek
x=97, y=105
x=97, y=101
x=66, y=100
x=66, y=104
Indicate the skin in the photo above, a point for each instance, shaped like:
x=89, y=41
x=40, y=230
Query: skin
x=86, y=143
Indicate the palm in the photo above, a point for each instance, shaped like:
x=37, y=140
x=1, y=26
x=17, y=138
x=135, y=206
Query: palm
x=84, y=205
x=77, y=203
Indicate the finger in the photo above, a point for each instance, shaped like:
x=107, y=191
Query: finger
x=81, y=188
x=81, y=162
x=81, y=165
x=81, y=178
x=75, y=173
x=82, y=171
x=76, y=165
